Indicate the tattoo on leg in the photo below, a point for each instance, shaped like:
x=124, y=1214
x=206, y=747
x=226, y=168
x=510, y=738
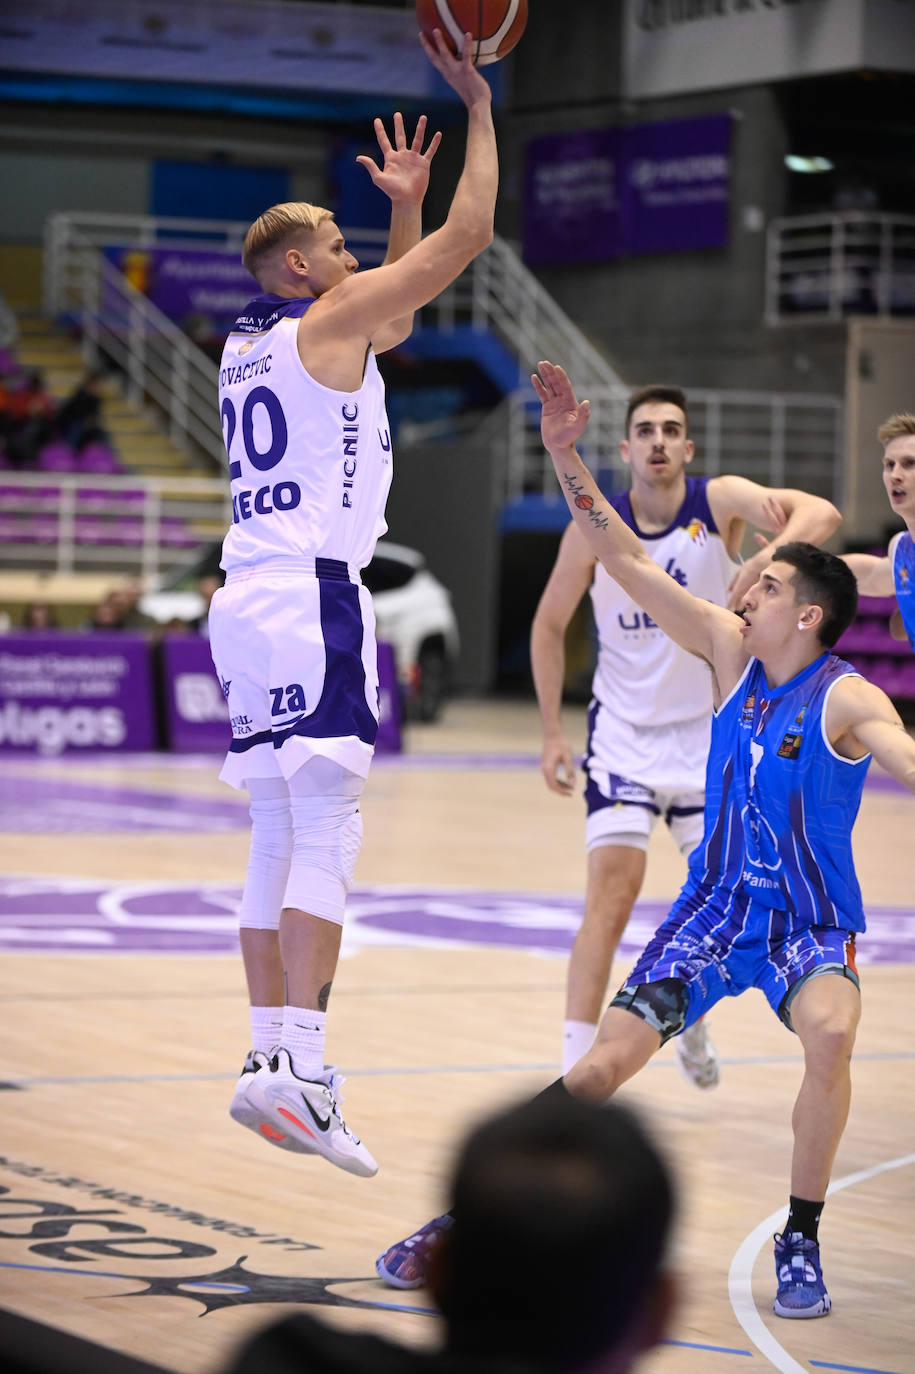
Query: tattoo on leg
x=324, y=997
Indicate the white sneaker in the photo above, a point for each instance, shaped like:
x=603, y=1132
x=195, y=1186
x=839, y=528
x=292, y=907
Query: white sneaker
x=697, y=1057
x=249, y=1108
x=307, y=1110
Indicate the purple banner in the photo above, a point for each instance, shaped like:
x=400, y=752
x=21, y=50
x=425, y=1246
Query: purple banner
x=61, y=692
x=571, y=200
x=676, y=185
x=605, y=193
x=388, y=739
x=202, y=290
x=196, y=716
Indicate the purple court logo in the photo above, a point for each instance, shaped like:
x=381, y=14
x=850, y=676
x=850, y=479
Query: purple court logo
x=79, y=915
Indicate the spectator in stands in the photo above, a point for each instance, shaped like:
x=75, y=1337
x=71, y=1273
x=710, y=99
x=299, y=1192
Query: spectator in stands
x=207, y=586
x=39, y=615
x=555, y=1262
x=29, y=409
x=78, y=419
x=119, y=609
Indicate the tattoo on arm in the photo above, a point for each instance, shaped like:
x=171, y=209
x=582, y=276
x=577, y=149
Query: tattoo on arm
x=585, y=502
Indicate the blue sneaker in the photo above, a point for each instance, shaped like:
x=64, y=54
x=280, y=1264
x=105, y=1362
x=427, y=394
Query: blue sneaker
x=801, y=1290
x=406, y=1264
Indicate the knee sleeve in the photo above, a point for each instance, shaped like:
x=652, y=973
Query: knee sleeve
x=662, y=1004
x=268, y=863
x=686, y=831
x=327, y=837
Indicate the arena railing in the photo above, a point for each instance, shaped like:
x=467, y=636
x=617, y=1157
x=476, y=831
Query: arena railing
x=759, y=434
x=851, y=262
x=163, y=366
x=66, y=524
x=777, y=438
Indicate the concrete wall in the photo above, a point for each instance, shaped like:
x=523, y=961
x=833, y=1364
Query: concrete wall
x=691, y=317
x=443, y=502
x=880, y=381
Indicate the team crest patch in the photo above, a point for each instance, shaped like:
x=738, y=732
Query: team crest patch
x=697, y=531
x=790, y=746
x=749, y=707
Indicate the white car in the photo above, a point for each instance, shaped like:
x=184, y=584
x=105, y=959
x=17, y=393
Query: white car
x=414, y=614
x=412, y=609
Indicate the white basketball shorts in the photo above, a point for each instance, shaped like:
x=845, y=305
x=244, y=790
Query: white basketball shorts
x=636, y=774
x=295, y=651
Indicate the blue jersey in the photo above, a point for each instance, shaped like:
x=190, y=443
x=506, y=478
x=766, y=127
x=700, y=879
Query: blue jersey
x=904, y=578
x=781, y=803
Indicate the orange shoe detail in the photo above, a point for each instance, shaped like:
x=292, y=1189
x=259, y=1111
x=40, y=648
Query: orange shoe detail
x=296, y=1122
x=271, y=1132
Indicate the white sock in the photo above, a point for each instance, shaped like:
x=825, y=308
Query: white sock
x=577, y=1039
x=266, y=1024
x=303, y=1036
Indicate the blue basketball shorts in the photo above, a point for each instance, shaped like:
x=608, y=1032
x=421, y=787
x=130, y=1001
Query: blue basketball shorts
x=720, y=943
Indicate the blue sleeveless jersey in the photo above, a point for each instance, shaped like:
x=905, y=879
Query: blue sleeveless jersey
x=904, y=578
x=781, y=803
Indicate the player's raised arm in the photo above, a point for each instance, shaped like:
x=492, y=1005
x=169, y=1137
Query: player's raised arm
x=696, y=625
x=404, y=178
x=366, y=302
x=786, y=514
x=873, y=574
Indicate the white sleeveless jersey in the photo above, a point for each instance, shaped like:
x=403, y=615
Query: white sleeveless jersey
x=310, y=467
x=642, y=676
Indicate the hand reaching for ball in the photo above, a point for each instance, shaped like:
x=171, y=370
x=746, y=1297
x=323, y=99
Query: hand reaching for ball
x=460, y=73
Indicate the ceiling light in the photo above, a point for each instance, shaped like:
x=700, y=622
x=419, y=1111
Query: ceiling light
x=796, y=163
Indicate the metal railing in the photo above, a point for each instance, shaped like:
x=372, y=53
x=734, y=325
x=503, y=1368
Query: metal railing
x=65, y=523
x=496, y=293
x=852, y=262
x=775, y=438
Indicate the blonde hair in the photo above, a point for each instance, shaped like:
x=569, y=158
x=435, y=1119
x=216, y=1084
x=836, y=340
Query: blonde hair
x=276, y=225
x=895, y=426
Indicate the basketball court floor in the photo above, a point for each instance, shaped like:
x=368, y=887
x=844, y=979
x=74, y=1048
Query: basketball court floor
x=135, y=1213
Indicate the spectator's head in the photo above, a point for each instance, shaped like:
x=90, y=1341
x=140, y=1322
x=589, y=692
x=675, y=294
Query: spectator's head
x=207, y=586
x=38, y=615
x=557, y=1253
x=108, y=614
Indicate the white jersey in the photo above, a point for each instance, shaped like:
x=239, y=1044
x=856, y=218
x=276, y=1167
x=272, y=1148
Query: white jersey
x=642, y=676
x=310, y=467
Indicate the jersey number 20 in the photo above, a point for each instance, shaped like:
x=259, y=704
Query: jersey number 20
x=279, y=435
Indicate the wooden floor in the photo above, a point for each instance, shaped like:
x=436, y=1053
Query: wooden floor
x=135, y=1213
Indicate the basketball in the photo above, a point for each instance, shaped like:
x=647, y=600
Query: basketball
x=494, y=25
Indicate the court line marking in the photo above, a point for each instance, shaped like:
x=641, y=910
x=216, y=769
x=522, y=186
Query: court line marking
x=851, y=1368
x=740, y=1276
x=419, y=1069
